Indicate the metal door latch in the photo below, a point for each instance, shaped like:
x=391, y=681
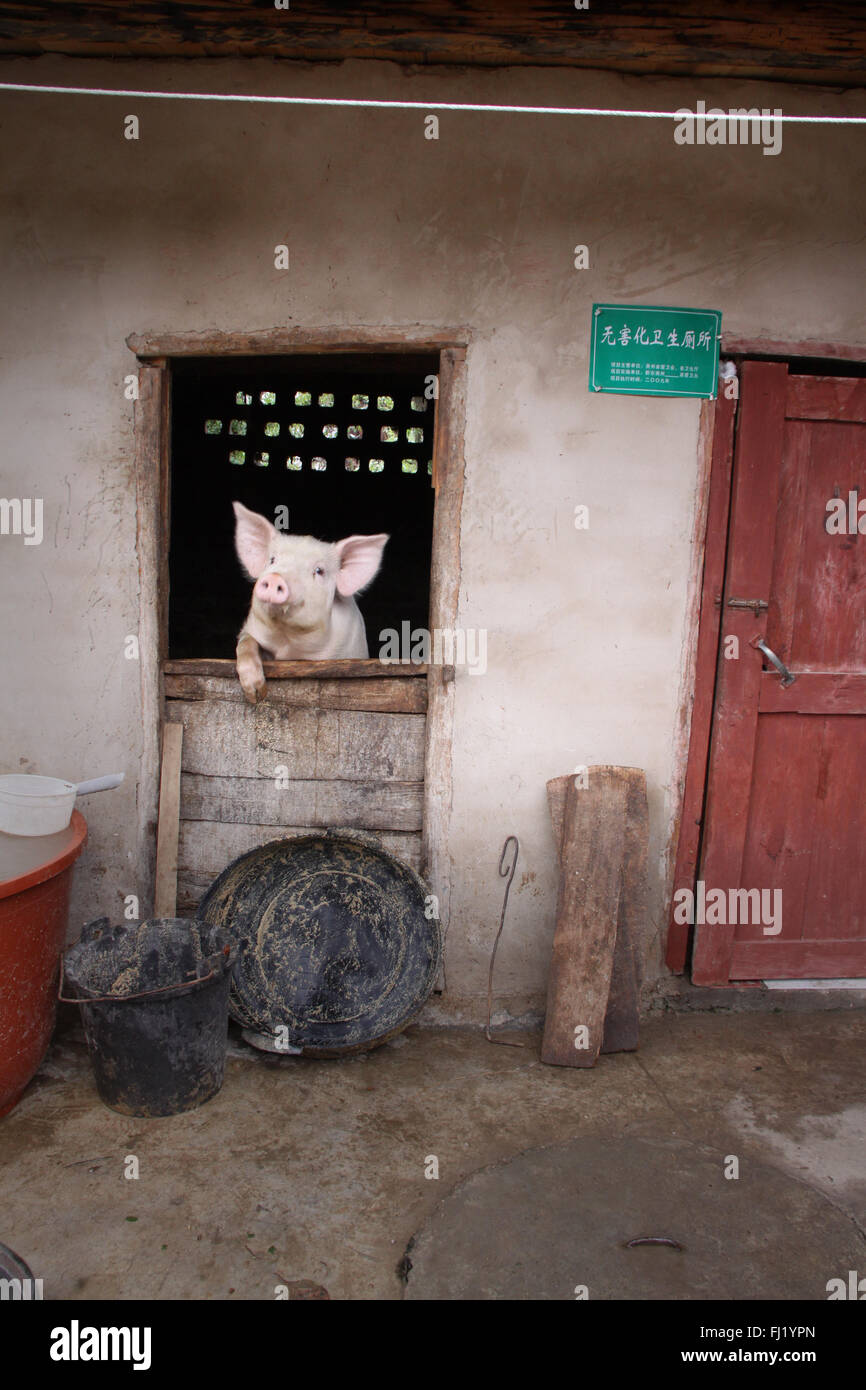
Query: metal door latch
x=756, y=604
x=788, y=677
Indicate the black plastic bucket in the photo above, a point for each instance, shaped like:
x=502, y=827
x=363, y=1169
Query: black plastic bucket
x=154, y=1004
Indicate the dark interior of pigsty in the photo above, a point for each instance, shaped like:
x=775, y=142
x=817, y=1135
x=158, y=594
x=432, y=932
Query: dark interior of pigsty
x=345, y=443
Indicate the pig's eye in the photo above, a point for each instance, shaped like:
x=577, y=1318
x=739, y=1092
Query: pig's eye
x=318, y=570
x=272, y=560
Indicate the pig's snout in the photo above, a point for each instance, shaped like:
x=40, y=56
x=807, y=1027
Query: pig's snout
x=272, y=588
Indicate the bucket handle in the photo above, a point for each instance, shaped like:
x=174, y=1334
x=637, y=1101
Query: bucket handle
x=191, y=978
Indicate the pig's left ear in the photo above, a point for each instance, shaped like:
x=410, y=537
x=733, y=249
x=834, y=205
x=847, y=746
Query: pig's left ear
x=360, y=558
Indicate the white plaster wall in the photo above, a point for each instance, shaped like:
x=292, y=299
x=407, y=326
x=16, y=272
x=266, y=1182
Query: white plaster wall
x=175, y=232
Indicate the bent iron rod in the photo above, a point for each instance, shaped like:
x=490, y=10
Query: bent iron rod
x=509, y=874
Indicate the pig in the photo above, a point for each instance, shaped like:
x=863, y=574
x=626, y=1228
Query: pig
x=302, y=608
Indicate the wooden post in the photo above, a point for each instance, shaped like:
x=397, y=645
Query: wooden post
x=601, y=833
x=165, y=897
x=623, y=1005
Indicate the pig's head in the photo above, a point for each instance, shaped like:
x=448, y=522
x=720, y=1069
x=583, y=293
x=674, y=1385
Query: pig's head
x=297, y=578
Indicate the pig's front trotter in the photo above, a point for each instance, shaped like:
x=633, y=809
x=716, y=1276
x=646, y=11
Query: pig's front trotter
x=250, y=671
x=253, y=683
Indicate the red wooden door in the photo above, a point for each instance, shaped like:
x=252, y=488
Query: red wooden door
x=786, y=792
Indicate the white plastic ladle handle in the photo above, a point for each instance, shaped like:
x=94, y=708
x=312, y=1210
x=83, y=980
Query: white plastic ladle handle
x=100, y=784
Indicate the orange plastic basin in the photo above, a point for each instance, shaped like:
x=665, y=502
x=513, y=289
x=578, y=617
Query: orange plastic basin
x=35, y=881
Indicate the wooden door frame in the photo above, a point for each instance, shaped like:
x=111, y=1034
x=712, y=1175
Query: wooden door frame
x=706, y=581
x=152, y=433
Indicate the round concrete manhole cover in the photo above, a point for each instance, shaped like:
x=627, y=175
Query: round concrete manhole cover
x=551, y=1222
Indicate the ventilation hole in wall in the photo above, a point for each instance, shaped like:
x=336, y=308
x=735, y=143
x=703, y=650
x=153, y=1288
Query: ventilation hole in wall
x=237, y=456
x=303, y=398
x=296, y=431
x=430, y=467
x=388, y=434
x=352, y=465
x=327, y=400
x=243, y=399
x=360, y=402
x=295, y=463
x=410, y=465
x=238, y=427
x=268, y=397
x=213, y=426
x=355, y=432
x=414, y=435
x=272, y=429
x=330, y=431
x=376, y=465
x=262, y=458
x=318, y=464
x=385, y=402
x=418, y=403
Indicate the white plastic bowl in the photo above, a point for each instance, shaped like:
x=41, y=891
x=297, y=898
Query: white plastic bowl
x=31, y=805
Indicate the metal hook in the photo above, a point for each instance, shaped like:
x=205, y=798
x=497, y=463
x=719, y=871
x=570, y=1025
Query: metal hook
x=509, y=874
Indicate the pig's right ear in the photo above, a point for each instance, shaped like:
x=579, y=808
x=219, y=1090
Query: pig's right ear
x=254, y=536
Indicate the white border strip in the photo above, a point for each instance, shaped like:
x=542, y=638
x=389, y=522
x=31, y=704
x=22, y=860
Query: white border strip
x=422, y=105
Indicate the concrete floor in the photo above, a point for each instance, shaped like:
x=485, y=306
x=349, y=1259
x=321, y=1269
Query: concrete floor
x=315, y=1171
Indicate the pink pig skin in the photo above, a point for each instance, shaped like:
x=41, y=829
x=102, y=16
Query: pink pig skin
x=302, y=608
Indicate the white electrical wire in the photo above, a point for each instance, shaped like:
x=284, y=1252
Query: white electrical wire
x=680, y=115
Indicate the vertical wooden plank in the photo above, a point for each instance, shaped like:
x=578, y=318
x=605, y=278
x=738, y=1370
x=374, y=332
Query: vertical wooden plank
x=788, y=758
x=686, y=830
x=795, y=485
x=622, y=1015
x=822, y=583
x=835, y=900
x=444, y=594
x=750, y=559
x=165, y=894
x=151, y=425
x=586, y=918
x=557, y=795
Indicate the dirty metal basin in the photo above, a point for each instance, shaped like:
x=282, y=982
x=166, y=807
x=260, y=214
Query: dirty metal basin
x=336, y=950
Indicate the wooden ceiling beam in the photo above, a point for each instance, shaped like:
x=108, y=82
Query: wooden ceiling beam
x=789, y=40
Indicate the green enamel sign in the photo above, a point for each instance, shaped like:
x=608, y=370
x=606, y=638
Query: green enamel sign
x=645, y=350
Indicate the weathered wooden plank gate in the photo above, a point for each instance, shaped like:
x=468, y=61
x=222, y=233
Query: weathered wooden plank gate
x=318, y=752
